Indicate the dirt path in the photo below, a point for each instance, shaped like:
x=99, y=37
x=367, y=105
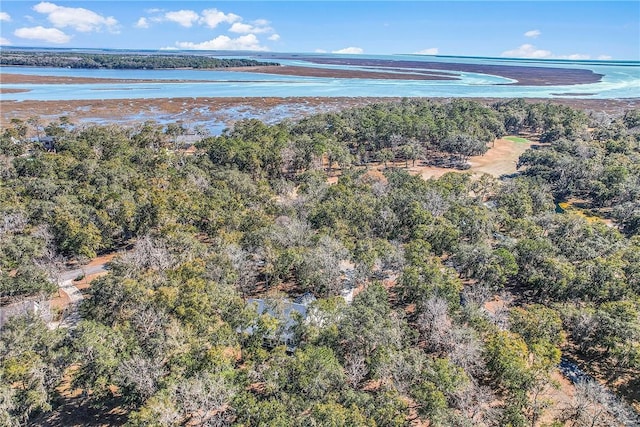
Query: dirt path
x=71, y=291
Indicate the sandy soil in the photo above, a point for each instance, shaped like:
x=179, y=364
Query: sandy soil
x=501, y=159
x=61, y=301
x=95, y=262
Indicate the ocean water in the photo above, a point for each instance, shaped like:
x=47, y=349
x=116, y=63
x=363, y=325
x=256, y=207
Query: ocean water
x=621, y=80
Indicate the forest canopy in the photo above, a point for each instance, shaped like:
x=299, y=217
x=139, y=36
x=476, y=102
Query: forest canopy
x=447, y=300
x=129, y=61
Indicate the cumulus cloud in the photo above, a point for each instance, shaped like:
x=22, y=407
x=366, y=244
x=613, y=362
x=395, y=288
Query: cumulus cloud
x=248, y=42
x=50, y=35
x=430, y=51
x=242, y=28
x=351, y=50
x=4, y=42
x=574, y=56
x=186, y=18
x=142, y=23
x=4, y=16
x=532, y=34
x=214, y=17
x=530, y=51
x=78, y=18
x=527, y=51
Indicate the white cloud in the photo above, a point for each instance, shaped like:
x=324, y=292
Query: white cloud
x=4, y=16
x=142, y=23
x=351, y=50
x=213, y=17
x=604, y=57
x=242, y=28
x=532, y=34
x=186, y=18
x=4, y=42
x=574, y=56
x=530, y=51
x=320, y=51
x=527, y=51
x=78, y=18
x=430, y=51
x=248, y=42
x=51, y=35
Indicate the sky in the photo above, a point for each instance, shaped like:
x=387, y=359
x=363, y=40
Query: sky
x=541, y=29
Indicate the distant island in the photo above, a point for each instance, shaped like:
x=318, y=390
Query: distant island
x=122, y=61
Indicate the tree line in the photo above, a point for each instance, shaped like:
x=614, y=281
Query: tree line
x=120, y=61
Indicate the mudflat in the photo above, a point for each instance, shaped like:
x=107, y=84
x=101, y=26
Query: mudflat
x=228, y=110
x=375, y=74
x=524, y=75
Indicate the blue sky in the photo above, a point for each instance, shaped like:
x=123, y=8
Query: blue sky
x=543, y=29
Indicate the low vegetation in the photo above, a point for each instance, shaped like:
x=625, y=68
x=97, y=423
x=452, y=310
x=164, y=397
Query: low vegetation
x=168, y=335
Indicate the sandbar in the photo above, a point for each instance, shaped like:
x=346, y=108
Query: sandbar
x=524, y=75
x=334, y=73
x=397, y=74
x=12, y=90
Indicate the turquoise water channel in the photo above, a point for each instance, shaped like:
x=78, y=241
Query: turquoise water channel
x=621, y=80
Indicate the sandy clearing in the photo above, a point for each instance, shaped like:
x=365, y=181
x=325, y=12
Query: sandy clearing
x=500, y=159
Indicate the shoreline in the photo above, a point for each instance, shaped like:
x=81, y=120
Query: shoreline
x=335, y=73
x=230, y=109
x=524, y=75
x=283, y=70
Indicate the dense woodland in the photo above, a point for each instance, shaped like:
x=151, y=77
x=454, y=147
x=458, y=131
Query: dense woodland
x=251, y=214
x=127, y=61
